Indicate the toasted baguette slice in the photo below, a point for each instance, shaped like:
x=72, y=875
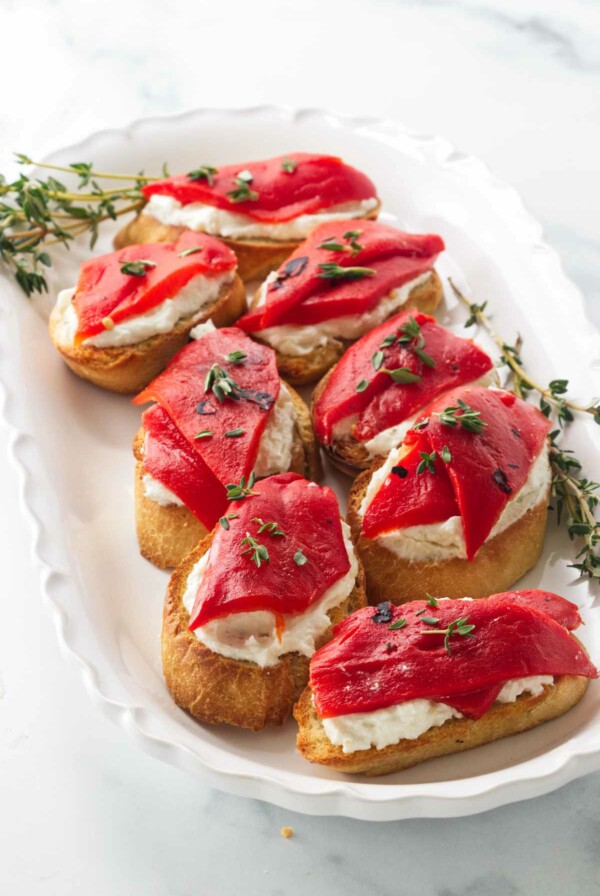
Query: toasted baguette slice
x=256, y=258
x=129, y=368
x=498, y=564
x=300, y=370
x=167, y=534
x=454, y=736
x=214, y=688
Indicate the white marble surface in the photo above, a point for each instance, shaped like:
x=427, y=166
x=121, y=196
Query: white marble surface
x=517, y=83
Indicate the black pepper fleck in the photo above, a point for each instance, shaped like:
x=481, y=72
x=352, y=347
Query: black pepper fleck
x=501, y=480
x=383, y=613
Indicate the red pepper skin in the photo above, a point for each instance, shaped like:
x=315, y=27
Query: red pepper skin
x=385, y=403
x=369, y=666
x=170, y=459
x=317, y=182
x=309, y=516
x=300, y=295
x=486, y=469
x=104, y=291
x=180, y=390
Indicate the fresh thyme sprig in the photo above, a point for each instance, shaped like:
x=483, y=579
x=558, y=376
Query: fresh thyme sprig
x=36, y=213
x=257, y=551
x=271, y=527
x=410, y=334
x=331, y=271
x=462, y=415
x=576, y=497
x=457, y=627
x=551, y=396
x=242, y=192
x=237, y=491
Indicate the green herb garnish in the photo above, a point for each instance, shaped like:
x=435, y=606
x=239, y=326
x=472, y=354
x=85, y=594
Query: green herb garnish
x=289, y=165
x=362, y=386
x=234, y=433
x=258, y=553
x=204, y=434
x=299, y=558
x=242, y=191
x=337, y=272
x=427, y=462
x=238, y=491
x=224, y=520
x=462, y=415
x=204, y=172
x=446, y=455
x=191, y=251
x=399, y=623
x=458, y=627
x=236, y=357
x=271, y=527
x=402, y=375
x=138, y=268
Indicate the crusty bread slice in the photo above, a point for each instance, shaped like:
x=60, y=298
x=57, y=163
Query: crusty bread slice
x=347, y=454
x=304, y=369
x=167, y=534
x=454, y=736
x=498, y=564
x=214, y=688
x=256, y=258
x=129, y=368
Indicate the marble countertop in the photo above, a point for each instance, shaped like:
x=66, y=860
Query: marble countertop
x=516, y=83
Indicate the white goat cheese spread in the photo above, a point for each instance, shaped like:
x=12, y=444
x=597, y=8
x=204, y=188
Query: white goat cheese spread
x=237, y=225
x=409, y=720
x=189, y=302
x=297, y=340
x=253, y=636
x=436, y=542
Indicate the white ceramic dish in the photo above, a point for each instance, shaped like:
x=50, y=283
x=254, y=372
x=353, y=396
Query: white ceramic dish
x=72, y=445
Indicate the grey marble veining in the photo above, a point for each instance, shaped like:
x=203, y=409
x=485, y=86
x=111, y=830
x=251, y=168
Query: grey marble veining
x=515, y=83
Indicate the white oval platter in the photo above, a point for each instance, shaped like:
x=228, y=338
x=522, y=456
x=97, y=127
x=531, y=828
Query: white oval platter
x=71, y=443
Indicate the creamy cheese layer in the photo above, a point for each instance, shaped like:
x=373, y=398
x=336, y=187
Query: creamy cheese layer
x=409, y=720
x=383, y=442
x=253, y=636
x=274, y=449
x=297, y=340
x=189, y=302
x=236, y=225
x=445, y=541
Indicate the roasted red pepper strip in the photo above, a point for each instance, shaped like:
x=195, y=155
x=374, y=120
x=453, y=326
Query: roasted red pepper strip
x=385, y=403
x=301, y=294
x=180, y=390
x=280, y=189
x=486, y=469
x=170, y=459
x=369, y=666
x=309, y=516
x=105, y=291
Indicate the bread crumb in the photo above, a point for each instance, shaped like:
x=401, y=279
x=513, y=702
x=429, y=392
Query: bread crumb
x=287, y=833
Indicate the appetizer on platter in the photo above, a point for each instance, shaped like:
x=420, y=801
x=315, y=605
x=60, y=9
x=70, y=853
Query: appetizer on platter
x=248, y=607
x=364, y=406
x=345, y=279
x=221, y=418
x=399, y=685
x=262, y=209
x=460, y=508
x=133, y=309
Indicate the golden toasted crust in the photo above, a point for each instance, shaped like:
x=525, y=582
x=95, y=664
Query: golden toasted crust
x=454, y=736
x=129, y=368
x=256, y=258
x=167, y=534
x=304, y=369
x=497, y=565
x=347, y=454
x=214, y=688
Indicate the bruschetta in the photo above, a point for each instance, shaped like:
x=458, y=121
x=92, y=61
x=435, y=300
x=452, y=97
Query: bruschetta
x=345, y=279
x=221, y=416
x=261, y=209
x=364, y=406
x=399, y=685
x=460, y=508
x=133, y=309
x=247, y=608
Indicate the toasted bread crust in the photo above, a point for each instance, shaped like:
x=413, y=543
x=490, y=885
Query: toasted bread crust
x=347, y=454
x=256, y=258
x=129, y=368
x=214, y=688
x=454, y=736
x=304, y=369
x=167, y=534
x=498, y=564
